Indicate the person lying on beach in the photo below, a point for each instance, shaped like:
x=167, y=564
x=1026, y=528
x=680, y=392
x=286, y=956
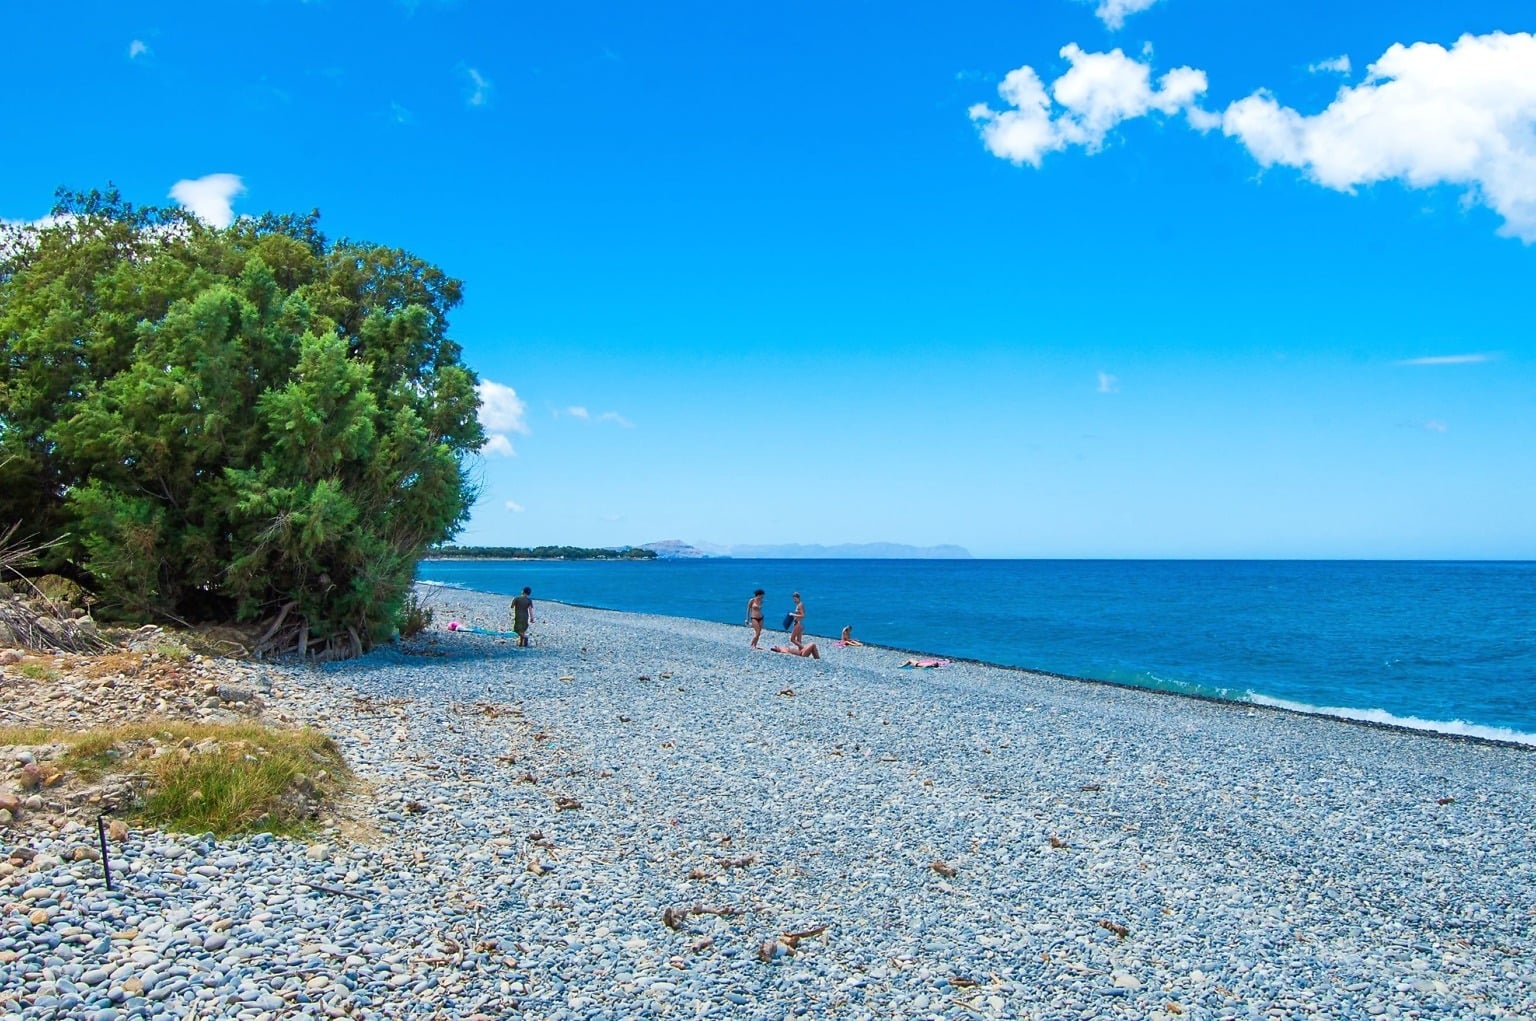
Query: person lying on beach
x=808, y=649
x=848, y=640
x=925, y=662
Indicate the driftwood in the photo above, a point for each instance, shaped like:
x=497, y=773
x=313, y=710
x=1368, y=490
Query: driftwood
x=33, y=620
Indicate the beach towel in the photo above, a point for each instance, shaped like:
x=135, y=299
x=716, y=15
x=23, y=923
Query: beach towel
x=454, y=625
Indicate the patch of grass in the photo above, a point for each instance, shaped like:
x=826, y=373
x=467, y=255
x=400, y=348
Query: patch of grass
x=173, y=650
x=214, y=777
x=415, y=617
x=28, y=736
x=38, y=672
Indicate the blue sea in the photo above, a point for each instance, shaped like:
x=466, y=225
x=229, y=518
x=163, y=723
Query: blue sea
x=1445, y=646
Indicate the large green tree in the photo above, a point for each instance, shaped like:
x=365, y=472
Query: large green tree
x=253, y=423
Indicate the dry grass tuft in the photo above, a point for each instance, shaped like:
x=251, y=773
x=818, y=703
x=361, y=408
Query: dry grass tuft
x=223, y=778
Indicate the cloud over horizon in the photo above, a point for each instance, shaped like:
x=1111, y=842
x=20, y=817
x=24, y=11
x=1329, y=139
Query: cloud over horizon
x=209, y=198
x=1472, y=359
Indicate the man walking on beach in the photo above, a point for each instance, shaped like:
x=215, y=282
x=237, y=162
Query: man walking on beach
x=522, y=614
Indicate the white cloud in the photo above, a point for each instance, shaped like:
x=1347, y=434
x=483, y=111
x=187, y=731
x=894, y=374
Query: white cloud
x=514, y=506
x=480, y=93
x=1333, y=65
x=138, y=48
x=1113, y=12
x=1108, y=384
x=501, y=412
x=19, y=235
x=581, y=412
x=1097, y=93
x=1448, y=360
x=1434, y=425
x=208, y=198
x=1424, y=115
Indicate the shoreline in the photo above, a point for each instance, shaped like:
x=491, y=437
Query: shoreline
x=638, y=816
x=1520, y=740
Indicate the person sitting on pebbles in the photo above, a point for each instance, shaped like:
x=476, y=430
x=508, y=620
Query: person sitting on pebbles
x=808, y=649
x=848, y=641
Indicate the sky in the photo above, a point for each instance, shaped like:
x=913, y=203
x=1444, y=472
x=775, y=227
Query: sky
x=1059, y=278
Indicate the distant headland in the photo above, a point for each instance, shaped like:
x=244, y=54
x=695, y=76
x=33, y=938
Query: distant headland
x=538, y=553
x=675, y=549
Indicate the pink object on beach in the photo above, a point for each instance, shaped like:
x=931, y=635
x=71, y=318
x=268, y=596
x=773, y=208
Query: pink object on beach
x=454, y=625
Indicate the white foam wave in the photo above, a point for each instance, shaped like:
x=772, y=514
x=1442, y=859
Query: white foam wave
x=1457, y=728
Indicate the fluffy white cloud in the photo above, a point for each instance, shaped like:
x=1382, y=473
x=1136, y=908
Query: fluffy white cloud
x=1424, y=115
x=501, y=412
x=480, y=88
x=1108, y=384
x=137, y=48
x=1113, y=12
x=1333, y=65
x=576, y=411
x=616, y=419
x=208, y=198
x=1448, y=360
x=1097, y=93
x=514, y=506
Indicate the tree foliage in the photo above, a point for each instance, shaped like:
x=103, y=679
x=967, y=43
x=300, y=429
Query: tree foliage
x=253, y=422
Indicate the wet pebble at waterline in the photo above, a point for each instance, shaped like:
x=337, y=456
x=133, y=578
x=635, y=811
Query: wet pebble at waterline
x=630, y=819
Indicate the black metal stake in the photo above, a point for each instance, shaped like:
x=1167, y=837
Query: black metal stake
x=101, y=831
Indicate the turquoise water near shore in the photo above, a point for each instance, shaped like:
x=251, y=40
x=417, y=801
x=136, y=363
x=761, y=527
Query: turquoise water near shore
x=1445, y=646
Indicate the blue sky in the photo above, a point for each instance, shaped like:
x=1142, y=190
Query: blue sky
x=1044, y=277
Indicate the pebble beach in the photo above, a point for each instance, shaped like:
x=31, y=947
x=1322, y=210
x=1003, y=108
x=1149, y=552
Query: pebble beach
x=638, y=816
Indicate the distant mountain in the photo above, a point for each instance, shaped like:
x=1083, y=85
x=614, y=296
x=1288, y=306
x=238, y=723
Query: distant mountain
x=854, y=551
x=671, y=549
x=675, y=549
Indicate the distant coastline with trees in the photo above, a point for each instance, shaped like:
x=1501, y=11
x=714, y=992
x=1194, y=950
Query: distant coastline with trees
x=537, y=553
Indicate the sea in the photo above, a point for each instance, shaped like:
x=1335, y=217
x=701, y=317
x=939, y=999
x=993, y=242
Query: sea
x=1447, y=646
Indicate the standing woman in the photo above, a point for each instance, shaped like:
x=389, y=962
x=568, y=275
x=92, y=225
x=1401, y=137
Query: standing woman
x=522, y=615
x=797, y=631
x=755, y=615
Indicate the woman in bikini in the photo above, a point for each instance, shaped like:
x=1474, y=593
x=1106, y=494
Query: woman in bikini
x=755, y=615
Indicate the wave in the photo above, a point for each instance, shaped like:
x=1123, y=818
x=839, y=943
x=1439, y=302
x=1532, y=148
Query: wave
x=1380, y=717
x=1455, y=728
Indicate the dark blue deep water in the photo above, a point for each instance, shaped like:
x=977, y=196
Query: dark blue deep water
x=1449, y=646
